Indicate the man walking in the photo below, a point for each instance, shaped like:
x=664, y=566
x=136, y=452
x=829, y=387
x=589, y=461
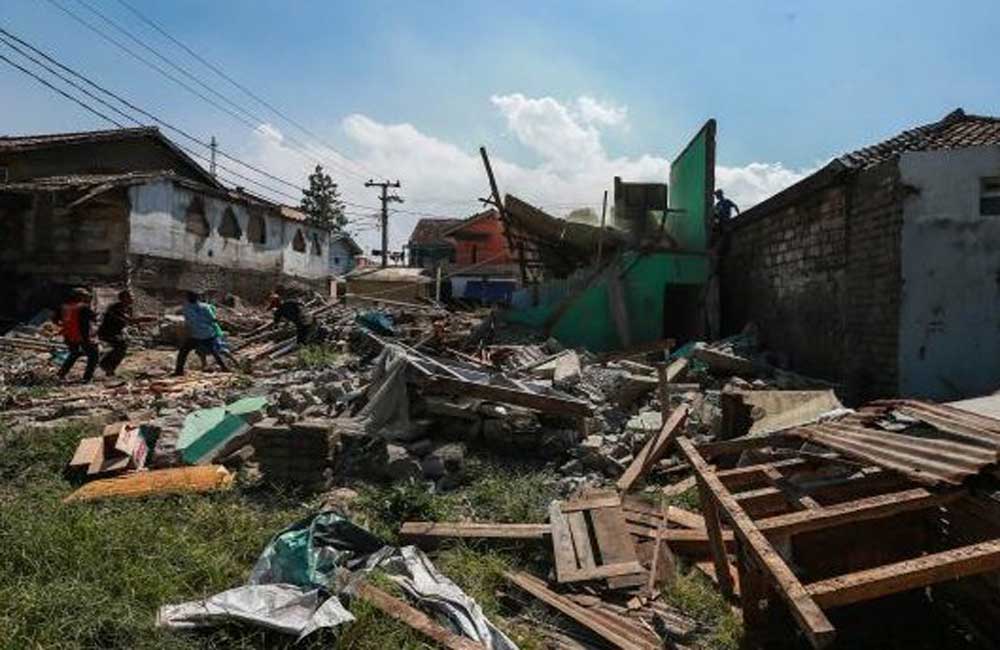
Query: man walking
x=113, y=331
x=75, y=318
x=293, y=311
x=201, y=325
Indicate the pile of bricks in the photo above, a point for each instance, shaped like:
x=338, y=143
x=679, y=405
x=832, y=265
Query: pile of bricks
x=299, y=455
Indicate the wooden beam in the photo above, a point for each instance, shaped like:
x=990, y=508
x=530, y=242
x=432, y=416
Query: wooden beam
x=790, y=490
x=621, y=634
x=682, y=540
x=876, y=507
x=908, y=574
x=654, y=448
x=711, y=450
x=415, y=532
x=739, y=477
x=723, y=577
x=416, y=619
x=810, y=617
x=536, y=401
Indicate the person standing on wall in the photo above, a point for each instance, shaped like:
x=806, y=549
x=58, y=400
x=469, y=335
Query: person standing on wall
x=75, y=318
x=199, y=317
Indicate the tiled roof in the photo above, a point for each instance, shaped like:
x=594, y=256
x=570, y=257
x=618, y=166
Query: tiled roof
x=956, y=130
x=16, y=142
x=429, y=231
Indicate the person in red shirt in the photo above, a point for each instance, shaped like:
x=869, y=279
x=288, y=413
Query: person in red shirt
x=75, y=318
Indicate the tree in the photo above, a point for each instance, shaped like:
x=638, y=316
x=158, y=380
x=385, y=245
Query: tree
x=584, y=215
x=322, y=203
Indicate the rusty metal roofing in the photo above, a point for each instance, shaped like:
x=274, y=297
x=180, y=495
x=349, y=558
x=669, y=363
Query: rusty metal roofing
x=22, y=142
x=957, y=129
x=928, y=443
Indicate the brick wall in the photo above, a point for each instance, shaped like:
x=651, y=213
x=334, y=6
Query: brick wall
x=819, y=275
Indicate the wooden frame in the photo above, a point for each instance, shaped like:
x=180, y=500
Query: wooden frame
x=790, y=510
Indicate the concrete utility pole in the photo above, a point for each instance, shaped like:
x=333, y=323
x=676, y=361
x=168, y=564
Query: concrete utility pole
x=214, y=146
x=386, y=198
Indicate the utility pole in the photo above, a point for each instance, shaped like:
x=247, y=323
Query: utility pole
x=495, y=192
x=386, y=198
x=214, y=146
x=600, y=240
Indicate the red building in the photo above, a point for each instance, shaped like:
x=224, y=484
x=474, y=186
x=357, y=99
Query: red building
x=480, y=240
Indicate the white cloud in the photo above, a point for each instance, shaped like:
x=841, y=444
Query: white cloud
x=572, y=171
x=594, y=112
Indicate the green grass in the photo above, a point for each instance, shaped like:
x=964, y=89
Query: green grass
x=92, y=575
x=694, y=595
x=317, y=356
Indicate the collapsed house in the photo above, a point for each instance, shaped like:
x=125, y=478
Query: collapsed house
x=129, y=207
x=879, y=271
x=607, y=289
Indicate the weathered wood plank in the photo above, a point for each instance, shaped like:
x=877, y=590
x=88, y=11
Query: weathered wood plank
x=883, y=505
x=654, y=448
x=581, y=539
x=723, y=576
x=538, y=402
x=618, y=634
x=562, y=543
x=589, y=503
x=812, y=619
x=416, y=619
x=908, y=574
x=415, y=532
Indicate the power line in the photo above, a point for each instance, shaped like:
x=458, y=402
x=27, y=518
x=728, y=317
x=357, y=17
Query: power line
x=64, y=94
x=135, y=55
x=240, y=86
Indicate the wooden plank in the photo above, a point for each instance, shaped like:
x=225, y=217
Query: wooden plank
x=659, y=549
x=810, y=617
x=741, y=477
x=602, y=571
x=676, y=369
x=581, y=539
x=608, y=630
x=711, y=450
x=536, y=401
x=415, y=532
x=713, y=526
x=613, y=542
x=653, y=449
x=791, y=492
x=908, y=574
x=416, y=619
x=562, y=543
x=679, y=488
x=589, y=503
x=684, y=540
x=876, y=507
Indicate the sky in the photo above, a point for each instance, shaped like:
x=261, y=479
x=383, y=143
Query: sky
x=564, y=94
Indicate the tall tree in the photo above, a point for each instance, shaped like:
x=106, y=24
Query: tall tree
x=322, y=203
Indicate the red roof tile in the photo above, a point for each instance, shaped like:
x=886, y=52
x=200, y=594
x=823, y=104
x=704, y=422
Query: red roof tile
x=955, y=130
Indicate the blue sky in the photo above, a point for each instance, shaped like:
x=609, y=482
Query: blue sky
x=411, y=89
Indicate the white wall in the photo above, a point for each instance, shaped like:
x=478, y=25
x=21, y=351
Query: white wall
x=158, y=217
x=341, y=258
x=949, y=343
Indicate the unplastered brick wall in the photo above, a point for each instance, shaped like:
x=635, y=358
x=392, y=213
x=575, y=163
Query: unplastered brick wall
x=819, y=275
x=874, y=282
x=784, y=271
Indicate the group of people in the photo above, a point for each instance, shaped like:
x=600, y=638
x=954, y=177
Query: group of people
x=205, y=336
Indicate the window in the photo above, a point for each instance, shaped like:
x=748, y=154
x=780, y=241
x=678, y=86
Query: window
x=195, y=221
x=475, y=253
x=298, y=241
x=3, y=174
x=256, y=228
x=317, y=249
x=336, y=260
x=229, y=227
x=989, y=197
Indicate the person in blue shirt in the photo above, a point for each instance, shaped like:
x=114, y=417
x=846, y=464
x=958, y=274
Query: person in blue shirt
x=202, y=326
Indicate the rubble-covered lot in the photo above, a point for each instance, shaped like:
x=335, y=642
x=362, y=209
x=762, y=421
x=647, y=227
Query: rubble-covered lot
x=684, y=497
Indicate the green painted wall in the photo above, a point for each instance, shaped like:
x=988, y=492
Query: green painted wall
x=588, y=322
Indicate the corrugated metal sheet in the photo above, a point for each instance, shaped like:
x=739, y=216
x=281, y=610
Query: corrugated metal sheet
x=954, y=447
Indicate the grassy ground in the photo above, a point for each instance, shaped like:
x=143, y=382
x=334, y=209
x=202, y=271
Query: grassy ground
x=92, y=575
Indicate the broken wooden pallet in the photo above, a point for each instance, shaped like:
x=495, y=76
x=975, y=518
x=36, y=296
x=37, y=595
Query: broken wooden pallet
x=592, y=543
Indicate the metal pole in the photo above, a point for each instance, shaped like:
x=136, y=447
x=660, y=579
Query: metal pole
x=213, y=146
x=600, y=238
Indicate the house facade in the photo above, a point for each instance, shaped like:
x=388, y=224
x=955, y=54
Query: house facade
x=165, y=230
x=428, y=247
x=880, y=270
x=343, y=255
x=484, y=269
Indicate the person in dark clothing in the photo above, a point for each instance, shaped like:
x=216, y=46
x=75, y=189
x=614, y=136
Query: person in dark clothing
x=724, y=208
x=75, y=319
x=113, y=331
x=293, y=311
x=202, y=326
